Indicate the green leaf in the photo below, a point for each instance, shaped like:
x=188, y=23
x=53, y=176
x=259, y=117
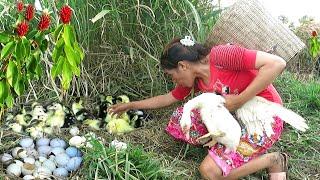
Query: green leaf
x=32, y=65
x=66, y=75
x=3, y=91
x=79, y=51
x=100, y=15
x=39, y=71
x=57, y=67
x=57, y=50
x=19, y=86
x=31, y=34
x=12, y=73
x=68, y=35
x=27, y=46
x=4, y=38
x=10, y=100
x=7, y=49
x=44, y=45
x=72, y=58
x=57, y=32
x=20, y=51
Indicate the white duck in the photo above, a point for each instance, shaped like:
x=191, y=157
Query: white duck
x=257, y=115
x=221, y=125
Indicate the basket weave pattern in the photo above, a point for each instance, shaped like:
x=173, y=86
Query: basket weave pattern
x=249, y=24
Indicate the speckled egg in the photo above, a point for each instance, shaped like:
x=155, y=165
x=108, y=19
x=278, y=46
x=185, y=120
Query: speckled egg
x=74, y=163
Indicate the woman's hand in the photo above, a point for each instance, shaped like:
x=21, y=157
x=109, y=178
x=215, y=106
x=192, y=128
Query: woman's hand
x=120, y=108
x=233, y=102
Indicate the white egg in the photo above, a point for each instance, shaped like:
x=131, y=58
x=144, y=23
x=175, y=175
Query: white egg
x=57, y=142
x=57, y=150
x=74, y=163
x=42, y=159
x=37, y=164
x=29, y=160
x=32, y=152
x=15, y=151
x=28, y=177
x=14, y=170
x=28, y=169
x=26, y=143
x=44, y=150
x=18, y=162
x=22, y=154
x=77, y=141
x=62, y=159
x=6, y=159
x=49, y=164
x=43, y=142
x=42, y=173
x=60, y=172
x=73, y=152
x=74, y=131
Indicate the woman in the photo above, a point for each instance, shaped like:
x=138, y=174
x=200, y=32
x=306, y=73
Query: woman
x=239, y=74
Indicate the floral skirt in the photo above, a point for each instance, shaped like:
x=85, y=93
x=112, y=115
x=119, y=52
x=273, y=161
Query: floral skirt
x=249, y=148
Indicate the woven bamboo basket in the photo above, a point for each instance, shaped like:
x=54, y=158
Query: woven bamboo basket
x=249, y=24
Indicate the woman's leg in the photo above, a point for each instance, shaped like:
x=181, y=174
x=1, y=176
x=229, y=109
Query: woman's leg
x=273, y=161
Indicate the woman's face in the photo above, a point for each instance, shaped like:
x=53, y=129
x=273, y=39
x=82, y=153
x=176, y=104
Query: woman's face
x=182, y=75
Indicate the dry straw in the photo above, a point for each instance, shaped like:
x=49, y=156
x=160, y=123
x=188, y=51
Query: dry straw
x=249, y=24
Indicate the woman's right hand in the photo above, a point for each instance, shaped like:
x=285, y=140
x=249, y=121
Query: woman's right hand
x=120, y=108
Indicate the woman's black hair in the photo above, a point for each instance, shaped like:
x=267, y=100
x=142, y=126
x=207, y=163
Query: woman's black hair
x=175, y=52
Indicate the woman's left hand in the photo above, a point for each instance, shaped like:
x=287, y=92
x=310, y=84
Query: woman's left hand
x=233, y=102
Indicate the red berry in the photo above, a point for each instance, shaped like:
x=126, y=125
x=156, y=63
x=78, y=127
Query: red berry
x=314, y=34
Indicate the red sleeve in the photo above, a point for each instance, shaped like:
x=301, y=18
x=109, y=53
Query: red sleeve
x=233, y=57
x=180, y=92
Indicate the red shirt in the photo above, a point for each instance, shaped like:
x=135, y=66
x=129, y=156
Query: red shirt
x=232, y=69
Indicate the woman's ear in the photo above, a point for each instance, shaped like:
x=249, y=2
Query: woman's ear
x=183, y=65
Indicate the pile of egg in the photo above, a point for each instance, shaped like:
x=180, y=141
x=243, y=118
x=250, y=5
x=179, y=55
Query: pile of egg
x=42, y=159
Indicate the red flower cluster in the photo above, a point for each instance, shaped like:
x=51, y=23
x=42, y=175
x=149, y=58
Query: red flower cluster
x=44, y=22
x=22, y=28
x=29, y=12
x=314, y=34
x=20, y=6
x=65, y=14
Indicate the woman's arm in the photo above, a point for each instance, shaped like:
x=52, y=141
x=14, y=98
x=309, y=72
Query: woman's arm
x=150, y=103
x=269, y=66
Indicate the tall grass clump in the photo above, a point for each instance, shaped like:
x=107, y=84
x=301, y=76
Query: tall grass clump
x=302, y=95
x=124, y=40
x=131, y=163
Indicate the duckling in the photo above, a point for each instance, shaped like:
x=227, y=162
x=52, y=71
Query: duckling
x=118, y=126
x=56, y=120
x=94, y=124
x=122, y=99
x=138, y=117
x=103, y=102
x=16, y=127
x=77, y=105
x=35, y=132
x=70, y=118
